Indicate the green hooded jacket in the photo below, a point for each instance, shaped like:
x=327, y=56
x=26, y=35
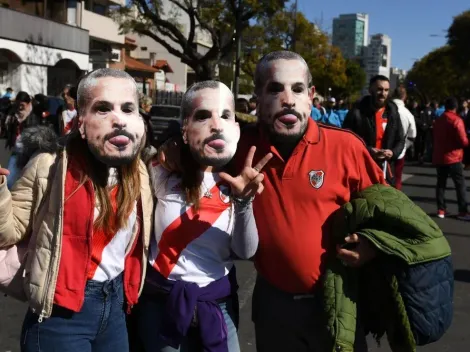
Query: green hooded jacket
x=405, y=237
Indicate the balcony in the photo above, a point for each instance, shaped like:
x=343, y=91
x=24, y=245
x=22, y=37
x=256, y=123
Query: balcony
x=22, y=27
x=118, y=2
x=101, y=27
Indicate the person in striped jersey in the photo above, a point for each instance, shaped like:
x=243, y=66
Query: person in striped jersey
x=202, y=217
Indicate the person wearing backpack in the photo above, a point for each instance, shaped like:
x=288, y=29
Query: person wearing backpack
x=86, y=211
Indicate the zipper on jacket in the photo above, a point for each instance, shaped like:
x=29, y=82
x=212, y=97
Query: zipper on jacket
x=41, y=316
x=49, y=269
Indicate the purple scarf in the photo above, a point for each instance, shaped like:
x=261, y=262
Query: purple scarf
x=186, y=297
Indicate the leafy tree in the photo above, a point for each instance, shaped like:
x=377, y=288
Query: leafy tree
x=445, y=71
x=356, y=80
x=277, y=32
x=178, y=24
x=435, y=75
x=458, y=36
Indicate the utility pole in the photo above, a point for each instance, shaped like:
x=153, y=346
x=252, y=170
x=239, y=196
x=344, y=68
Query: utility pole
x=238, y=43
x=294, y=39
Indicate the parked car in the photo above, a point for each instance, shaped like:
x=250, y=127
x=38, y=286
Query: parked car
x=165, y=121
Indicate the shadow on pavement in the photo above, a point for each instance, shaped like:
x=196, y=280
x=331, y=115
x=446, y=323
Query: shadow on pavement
x=462, y=275
x=432, y=175
x=456, y=235
x=430, y=200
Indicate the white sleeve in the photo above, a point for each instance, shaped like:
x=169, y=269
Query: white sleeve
x=158, y=176
x=412, y=132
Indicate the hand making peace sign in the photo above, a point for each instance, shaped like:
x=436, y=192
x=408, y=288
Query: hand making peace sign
x=249, y=182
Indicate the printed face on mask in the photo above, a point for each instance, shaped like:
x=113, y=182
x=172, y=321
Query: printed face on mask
x=211, y=130
x=111, y=123
x=285, y=103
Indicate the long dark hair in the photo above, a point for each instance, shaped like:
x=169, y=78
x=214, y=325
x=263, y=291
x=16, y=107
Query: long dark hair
x=128, y=180
x=191, y=176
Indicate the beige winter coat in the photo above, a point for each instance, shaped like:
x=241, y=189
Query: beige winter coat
x=34, y=207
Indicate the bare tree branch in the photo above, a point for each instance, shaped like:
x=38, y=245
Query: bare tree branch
x=158, y=21
x=189, y=10
x=167, y=46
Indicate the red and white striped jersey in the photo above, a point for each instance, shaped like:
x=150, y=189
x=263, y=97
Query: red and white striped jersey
x=109, y=252
x=189, y=245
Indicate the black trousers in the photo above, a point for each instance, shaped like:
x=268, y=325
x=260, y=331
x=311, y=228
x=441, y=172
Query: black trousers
x=455, y=171
x=286, y=322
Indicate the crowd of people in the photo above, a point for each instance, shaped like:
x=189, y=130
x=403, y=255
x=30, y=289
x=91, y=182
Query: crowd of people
x=134, y=251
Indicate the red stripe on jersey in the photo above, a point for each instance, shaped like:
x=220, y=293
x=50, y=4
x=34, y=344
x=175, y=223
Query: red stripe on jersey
x=101, y=238
x=185, y=229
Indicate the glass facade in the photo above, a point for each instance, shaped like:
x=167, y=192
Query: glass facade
x=350, y=34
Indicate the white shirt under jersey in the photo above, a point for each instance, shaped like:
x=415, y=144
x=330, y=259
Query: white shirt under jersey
x=115, y=251
x=408, y=124
x=193, y=249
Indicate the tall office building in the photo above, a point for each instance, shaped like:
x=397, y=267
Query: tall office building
x=378, y=56
x=351, y=33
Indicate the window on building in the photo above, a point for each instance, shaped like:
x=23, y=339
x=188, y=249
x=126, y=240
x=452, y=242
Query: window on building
x=56, y=10
x=99, y=7
x=143, y=48
x=32, y=7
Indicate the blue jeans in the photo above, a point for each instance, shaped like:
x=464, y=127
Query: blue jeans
x=100, y=326
x=151, y=310
x=15, y=172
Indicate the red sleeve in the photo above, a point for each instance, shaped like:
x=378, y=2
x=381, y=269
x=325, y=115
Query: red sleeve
x=367, y=171
x=461, y=133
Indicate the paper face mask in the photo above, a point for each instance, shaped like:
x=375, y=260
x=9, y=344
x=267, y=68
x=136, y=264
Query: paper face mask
x=111, y=123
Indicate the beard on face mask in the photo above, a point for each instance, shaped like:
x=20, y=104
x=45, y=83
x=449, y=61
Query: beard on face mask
x=116, y=160
x=282, y=137
x=223, y=154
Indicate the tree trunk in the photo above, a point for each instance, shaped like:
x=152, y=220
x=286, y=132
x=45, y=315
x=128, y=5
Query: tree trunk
x=205, y=71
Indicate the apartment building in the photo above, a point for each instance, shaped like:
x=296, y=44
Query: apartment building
x=41, y=46
x=377, y=57
x=46, y=44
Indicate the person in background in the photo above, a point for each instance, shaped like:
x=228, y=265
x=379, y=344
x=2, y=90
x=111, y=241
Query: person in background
x=9, y=93
x=376, y=120
x=316, y=114
x=409, y=131
x=69, y=115
x=439, y=109
x=65, y=92
x=414, y=108
x=342, y=111
x=145, y=106
x=424, y=124
x=330, y=117
x=450, y=138
x=252, y=105
x=463, y=109
x=241, y=105
x=22, y=117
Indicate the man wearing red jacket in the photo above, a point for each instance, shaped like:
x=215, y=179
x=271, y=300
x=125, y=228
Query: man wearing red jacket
x=449, y=140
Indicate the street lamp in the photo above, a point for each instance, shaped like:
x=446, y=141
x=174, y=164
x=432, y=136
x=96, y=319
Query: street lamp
x=329, y=92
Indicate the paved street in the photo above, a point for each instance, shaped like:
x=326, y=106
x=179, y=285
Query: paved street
x=419, y=186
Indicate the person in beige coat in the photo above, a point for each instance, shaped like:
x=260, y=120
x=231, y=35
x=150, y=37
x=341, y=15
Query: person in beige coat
x=86, y=212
